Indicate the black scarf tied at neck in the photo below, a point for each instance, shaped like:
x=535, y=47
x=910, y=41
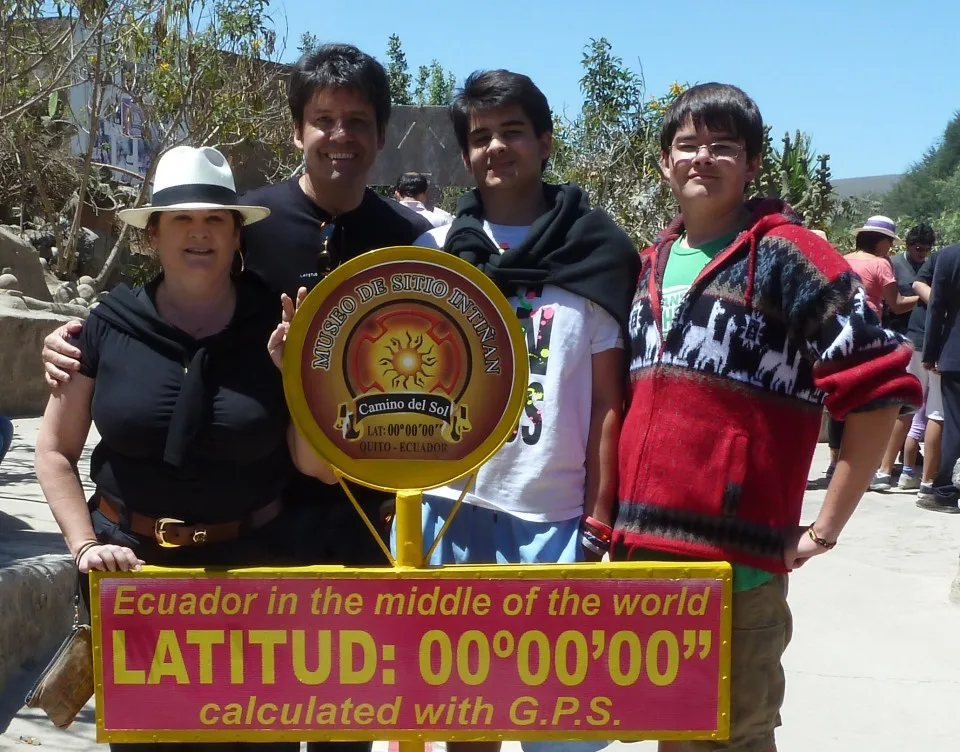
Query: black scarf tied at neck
x=571, y=246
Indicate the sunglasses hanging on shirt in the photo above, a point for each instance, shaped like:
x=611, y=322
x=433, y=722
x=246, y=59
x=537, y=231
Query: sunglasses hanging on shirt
x=325, y=260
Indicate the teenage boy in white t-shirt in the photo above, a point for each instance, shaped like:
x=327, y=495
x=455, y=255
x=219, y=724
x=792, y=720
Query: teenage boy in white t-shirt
x=569, y=272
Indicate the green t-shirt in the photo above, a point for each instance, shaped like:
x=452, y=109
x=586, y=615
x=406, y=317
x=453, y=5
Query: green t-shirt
x=683, y=266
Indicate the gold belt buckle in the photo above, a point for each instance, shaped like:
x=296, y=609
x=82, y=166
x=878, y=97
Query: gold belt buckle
x=159, y=531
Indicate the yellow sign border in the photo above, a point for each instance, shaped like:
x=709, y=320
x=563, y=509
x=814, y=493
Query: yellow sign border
x=607, y=570
x=396, y=475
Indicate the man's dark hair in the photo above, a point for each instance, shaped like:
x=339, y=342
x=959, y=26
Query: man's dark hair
x=716, y=107
x=493, y=90
x=868, y=241
x=339, y=66
x=922, y=234
x=411, y=184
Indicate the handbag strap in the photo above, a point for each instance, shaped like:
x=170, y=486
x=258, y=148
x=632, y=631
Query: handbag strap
x=78, y=601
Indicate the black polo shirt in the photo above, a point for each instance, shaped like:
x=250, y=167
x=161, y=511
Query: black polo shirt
x=284, y=248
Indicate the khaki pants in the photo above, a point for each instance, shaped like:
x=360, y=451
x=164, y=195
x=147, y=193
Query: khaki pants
x=762, y=627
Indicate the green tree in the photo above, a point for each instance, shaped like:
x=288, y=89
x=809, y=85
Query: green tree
x=308, y=43
x=799, y=176
x=612, y=149
x=197, y=71
x=434, y=86
x=397, y=72
x=919, y=193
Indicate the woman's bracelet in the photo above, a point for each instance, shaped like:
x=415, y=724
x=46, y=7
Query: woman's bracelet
x=83, y=549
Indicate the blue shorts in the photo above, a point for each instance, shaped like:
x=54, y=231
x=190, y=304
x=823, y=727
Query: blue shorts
x=479, y=535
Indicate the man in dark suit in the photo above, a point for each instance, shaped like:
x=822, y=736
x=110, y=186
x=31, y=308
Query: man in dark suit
x=941, y=351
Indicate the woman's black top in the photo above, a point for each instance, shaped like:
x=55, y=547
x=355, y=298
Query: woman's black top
x=193, y=429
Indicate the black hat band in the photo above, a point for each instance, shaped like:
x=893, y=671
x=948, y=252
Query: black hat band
x=195, y=193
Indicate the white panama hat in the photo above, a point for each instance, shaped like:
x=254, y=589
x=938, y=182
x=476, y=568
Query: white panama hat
x=879, y=224
x=189, y=178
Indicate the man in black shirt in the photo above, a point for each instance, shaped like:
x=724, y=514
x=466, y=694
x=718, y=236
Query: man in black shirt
x=909, y=430
x=339, y=98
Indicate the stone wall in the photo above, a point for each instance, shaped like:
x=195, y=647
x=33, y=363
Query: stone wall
x=23, y=391
x=37, y=596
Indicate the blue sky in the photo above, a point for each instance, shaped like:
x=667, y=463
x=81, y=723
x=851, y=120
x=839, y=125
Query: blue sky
x=874, y=83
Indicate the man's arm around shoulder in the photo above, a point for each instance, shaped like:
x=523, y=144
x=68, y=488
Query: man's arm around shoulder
x=60, y=358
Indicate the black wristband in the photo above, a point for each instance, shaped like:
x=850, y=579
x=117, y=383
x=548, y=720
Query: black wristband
x=83, y=549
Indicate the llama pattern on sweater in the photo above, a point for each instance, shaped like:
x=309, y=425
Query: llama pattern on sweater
x=722, y=336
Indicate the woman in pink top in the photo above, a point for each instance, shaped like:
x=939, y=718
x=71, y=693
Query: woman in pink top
x=870, y=262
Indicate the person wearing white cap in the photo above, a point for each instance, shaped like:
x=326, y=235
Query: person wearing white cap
x=196, y=442
x=870, y=261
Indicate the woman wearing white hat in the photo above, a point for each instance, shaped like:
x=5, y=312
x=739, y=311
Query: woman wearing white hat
x=196, y=443
x=870, y=261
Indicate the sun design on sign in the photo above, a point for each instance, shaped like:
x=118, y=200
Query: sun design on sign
x=408, y=362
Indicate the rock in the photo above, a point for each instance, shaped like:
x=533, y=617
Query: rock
x=37, y=597
x=65, y=293
x=87, y=241
x=42, y=239
x=8, y=281
x=24, y=391
x=20, y=256
x=86, y=291
x=86, y=280
x=13, y=300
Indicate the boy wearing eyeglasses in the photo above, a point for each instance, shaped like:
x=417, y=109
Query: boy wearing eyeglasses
x=743, y=326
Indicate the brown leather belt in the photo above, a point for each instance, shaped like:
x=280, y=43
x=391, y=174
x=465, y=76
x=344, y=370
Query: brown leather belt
x=173, y=533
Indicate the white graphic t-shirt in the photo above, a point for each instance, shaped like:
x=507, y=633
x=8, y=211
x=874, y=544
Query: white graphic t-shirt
x=540, y=473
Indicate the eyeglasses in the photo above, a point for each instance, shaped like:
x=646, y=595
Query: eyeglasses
x=727, y=151
x=325, y=263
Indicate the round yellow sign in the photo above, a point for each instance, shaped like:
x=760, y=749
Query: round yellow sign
x=405, y=368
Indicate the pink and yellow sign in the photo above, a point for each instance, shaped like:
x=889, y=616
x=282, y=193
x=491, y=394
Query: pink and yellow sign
x=618, y=651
